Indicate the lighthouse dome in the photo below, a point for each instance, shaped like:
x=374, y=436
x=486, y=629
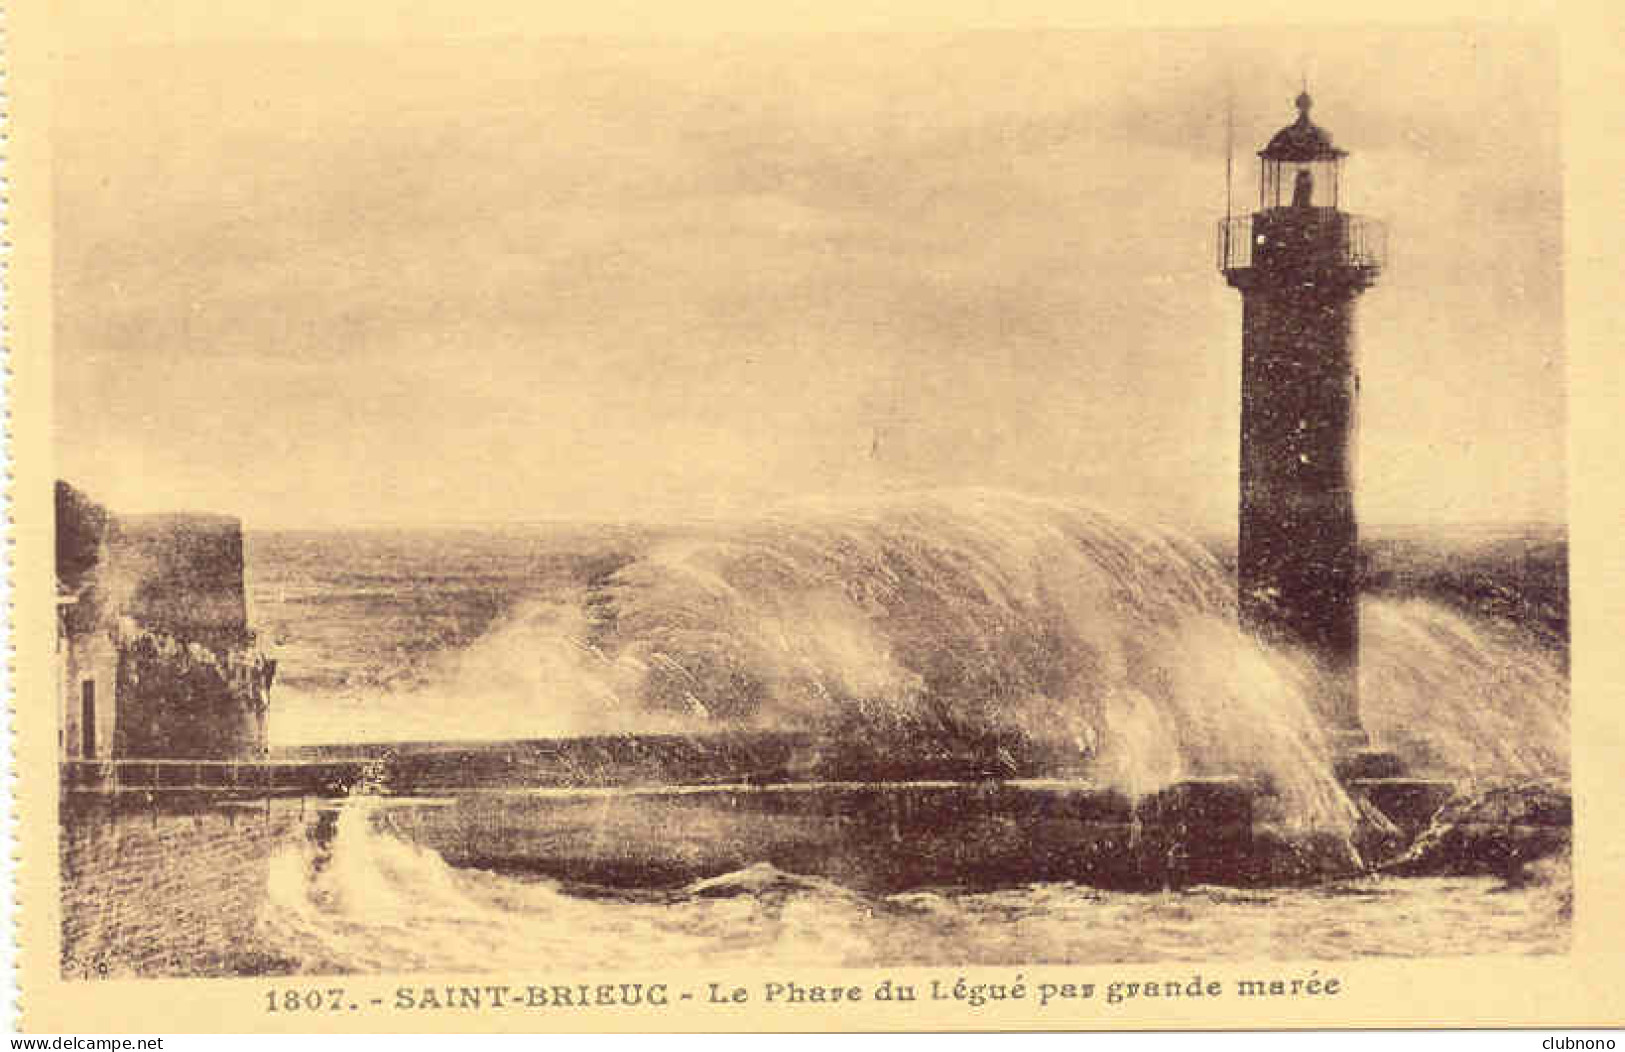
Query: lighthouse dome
x=1302, y=140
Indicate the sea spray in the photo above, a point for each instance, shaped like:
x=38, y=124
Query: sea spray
x=533, y=674
x=365, y=899
x=1476, y=700
x=920, y=622
x=973, y=631
x=978, y=634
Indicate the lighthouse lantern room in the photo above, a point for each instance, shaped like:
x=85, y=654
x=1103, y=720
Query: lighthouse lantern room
x=1300, y=167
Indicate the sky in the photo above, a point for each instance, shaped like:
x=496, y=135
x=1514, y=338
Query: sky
x=343, y=279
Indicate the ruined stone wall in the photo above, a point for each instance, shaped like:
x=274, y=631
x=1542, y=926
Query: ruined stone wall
x=154, y=618
x=179, y=699
x=149, y=893
x=182, y=575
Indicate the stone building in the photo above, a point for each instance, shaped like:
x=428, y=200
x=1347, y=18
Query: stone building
x=155, y=656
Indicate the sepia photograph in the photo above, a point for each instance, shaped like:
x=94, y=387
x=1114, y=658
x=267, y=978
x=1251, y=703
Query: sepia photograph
x=591, y=503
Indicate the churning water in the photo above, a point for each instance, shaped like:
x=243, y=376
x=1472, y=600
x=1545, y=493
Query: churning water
x=374, y=903
x=927, y=626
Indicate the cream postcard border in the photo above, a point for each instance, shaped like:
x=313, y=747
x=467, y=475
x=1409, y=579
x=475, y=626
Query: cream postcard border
x=1584, y=987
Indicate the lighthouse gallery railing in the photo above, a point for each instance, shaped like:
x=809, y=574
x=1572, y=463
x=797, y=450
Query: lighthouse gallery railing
x=1364, y=243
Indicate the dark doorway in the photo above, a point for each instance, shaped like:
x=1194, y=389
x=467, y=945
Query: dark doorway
x=87, y=718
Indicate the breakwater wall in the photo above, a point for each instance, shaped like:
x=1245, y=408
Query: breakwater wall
x=168, y=887
x=165, y=864
x=875, y=837
x=178, y=883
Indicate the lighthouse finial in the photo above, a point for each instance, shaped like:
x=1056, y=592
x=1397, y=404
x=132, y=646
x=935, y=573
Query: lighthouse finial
x=1304, y=101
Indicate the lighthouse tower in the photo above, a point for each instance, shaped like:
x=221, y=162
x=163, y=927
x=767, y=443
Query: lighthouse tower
x=1300, y=262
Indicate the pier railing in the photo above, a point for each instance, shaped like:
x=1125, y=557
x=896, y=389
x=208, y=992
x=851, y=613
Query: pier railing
x=235, y=777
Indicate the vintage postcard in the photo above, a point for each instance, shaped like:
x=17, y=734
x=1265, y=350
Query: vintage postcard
x=533, y=519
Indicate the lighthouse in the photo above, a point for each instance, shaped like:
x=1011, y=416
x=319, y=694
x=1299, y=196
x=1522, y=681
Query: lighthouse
x=1300, y=263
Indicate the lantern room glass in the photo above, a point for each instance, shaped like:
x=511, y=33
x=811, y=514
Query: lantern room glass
x=1299, y=184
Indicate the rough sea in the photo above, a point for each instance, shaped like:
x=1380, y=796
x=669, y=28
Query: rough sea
x=904, y=625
